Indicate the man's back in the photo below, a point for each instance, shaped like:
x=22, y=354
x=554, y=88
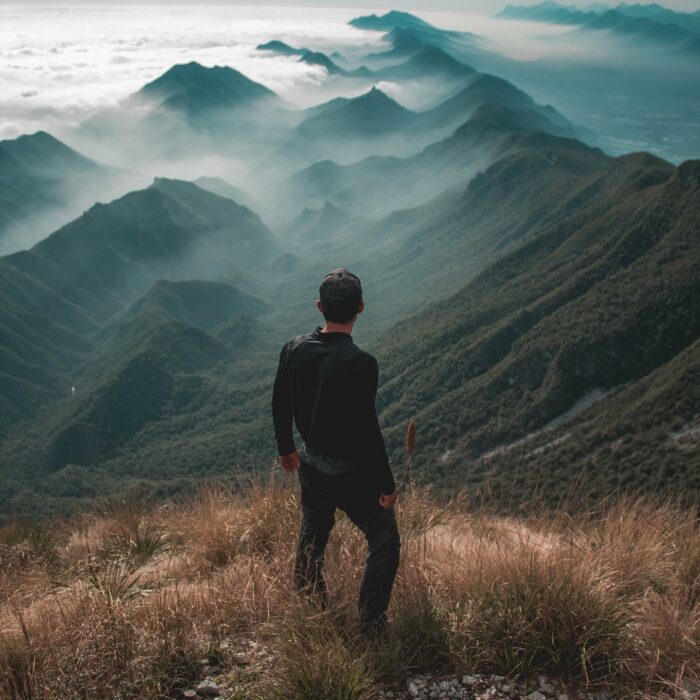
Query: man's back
x=328, y=385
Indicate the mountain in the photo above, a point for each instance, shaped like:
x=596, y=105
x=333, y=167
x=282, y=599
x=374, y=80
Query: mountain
x=276, y=46
x=313, y=58
x=548, y=11
x=407, y=35
x=639, y=28
x=199, y=303
x=429, y=61
x=59, y=294
x=194, y=89
x=489, y=89
x=685, y=20
x=314, y=225
x=629, y=26
x=594, y=294
x=42, y=183
x=149, y=370
x=344, y=128
x=405, y=43
x=390, y=20
x=489, y=113
x=226, y=189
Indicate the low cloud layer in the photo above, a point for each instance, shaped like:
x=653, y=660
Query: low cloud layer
x=58, y=65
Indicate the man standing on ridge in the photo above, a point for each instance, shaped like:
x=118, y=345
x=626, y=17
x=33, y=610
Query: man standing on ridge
x=326, y=385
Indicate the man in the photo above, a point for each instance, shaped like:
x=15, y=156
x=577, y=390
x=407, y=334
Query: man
x=327, y=385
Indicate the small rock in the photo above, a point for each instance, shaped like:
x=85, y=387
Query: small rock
x=547, y=688
x=189, y=694
x=536, y=695
x=413, y=689
x=469, y=680
x=208, y=689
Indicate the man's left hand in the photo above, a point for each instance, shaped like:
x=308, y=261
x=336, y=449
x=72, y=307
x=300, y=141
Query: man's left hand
x=291, y=462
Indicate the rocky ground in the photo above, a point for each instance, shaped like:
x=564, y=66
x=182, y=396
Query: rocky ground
x=249, y=662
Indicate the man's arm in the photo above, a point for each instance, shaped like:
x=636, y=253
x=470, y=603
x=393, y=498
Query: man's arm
x=375, y=437
x=282, y=415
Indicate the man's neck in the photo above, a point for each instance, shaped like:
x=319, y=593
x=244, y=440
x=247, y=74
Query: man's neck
x=331, y=327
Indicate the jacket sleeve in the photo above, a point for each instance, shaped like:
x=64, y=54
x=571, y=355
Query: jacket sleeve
x=378, y=449
x=282, y=415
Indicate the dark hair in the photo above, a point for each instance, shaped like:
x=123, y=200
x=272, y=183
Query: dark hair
x=341, y=295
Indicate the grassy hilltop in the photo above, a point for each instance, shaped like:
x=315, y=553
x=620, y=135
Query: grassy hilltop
x=142, y=601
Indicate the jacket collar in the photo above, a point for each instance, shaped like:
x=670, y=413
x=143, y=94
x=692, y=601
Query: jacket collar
x=332, y=335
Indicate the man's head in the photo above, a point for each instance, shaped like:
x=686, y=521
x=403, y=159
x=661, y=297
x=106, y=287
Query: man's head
x=340, y=296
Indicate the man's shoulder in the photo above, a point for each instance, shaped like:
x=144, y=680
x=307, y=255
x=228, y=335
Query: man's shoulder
x=294, y=342
x=365, y=358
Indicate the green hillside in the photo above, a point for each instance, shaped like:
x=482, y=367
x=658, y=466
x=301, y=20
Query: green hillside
x=58, y=295
x=604, y=294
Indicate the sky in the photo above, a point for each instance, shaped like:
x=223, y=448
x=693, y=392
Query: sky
x=488, y=6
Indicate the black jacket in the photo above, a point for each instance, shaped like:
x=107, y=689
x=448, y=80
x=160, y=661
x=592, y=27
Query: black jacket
x=326, y=385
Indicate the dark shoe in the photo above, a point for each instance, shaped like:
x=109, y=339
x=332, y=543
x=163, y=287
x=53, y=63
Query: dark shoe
x=376, y=631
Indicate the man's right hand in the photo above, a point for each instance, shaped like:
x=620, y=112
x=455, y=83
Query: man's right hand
x=291, y=462
x=388, y=501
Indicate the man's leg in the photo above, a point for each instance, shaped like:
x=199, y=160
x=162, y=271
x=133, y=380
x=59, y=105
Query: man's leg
x=316, y=523
x=313, y=538
x=383, y=548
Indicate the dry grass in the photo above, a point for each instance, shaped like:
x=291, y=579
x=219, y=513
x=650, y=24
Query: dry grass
x=124, y=602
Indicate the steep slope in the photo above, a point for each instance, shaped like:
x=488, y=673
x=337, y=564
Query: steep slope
x=645, y=434
x=606, y=292
x=225, y=189
x=198, y=303
x=59, y=293
x=146, y=378
x=42, y=183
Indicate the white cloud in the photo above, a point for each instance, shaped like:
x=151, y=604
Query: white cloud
x=107, y=53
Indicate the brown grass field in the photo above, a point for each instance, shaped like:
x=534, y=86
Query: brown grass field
x=124, y=602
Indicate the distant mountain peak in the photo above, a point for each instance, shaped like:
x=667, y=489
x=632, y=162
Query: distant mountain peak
x=391, y=20
x=430, y=60
x=280, y=47
x=377, y=100
x=194, y=87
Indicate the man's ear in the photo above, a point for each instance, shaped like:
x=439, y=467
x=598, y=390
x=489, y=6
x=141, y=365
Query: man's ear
x=361, y=308
x=319, y=305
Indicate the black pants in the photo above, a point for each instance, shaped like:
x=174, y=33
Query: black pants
x=357, y=494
